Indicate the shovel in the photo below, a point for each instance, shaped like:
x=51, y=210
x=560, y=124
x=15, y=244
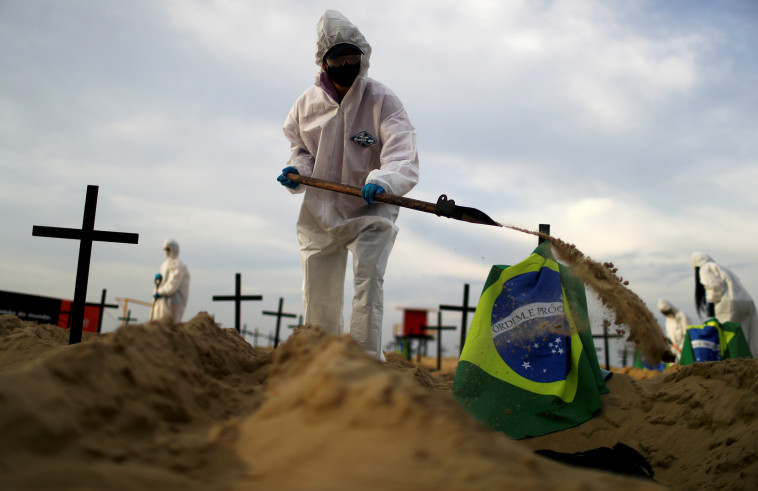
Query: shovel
x=444, y=207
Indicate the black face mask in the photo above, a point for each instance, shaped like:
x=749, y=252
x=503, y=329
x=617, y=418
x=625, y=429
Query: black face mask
x=344, y=75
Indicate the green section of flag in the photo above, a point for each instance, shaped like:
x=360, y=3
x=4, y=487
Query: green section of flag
x=494, y=391
x=728, y=338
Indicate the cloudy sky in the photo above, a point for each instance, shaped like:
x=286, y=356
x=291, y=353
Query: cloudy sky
x=629, y=127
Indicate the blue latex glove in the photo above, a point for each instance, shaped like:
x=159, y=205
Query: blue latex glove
x=158, y=278
x=157, y=296
x=369, y=191
x=286, y=182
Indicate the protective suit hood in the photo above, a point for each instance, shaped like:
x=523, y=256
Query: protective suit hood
x=173, y=252
x=334, y=28
x=699, y=259
x=664, y=305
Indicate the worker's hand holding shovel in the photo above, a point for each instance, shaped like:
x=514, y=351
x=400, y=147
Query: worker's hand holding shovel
x=158, y=280
x=285, y=181
x=370, y=191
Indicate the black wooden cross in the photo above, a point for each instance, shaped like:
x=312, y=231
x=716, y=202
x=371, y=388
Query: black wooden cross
x=237, y=298
x=86, y=235
x=101, y=306
x=299, y=323
x=439, y=328
x=464, y=309
x=260, y=334
x=624, y=354
x=128, y=318
x=420, y=347
x=544, y=229
x=104, y=306
x=244, y=331
x=279, y=314
x=256, y=334
x=269, y=338
x=606, y=337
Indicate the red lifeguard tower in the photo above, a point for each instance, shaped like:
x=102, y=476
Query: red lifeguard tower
x=413, y=327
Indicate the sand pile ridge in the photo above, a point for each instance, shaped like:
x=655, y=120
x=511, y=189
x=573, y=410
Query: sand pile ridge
x=193, y=406
x=130, y=409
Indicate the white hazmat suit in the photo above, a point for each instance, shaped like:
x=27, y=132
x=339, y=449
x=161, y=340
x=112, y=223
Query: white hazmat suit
x=732, y=302
x=676, y=325
x=364, y=139
x=174, y=286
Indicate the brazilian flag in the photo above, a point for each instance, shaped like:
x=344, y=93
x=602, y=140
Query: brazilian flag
x=641, y=362
x=714, y=341
x=528, y=366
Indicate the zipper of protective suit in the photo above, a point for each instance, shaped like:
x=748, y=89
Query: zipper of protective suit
x=332, y=160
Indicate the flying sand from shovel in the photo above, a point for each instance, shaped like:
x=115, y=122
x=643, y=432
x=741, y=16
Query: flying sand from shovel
x=628, y=307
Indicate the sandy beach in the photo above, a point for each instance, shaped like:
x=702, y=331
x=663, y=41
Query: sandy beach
x=194, y=406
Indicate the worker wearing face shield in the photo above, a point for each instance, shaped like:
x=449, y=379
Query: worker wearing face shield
x=350, y=129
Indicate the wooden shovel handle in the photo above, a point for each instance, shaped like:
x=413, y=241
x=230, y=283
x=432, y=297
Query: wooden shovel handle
x=354, y=191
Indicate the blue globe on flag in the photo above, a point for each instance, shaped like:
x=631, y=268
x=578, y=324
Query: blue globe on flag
x=530, y=329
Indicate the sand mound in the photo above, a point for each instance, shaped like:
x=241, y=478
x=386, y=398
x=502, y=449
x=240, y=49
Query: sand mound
x=194, y=406
x=641, y=374
x=352, y=423
x=697, y=425
x=22, y=342
x=128, y=410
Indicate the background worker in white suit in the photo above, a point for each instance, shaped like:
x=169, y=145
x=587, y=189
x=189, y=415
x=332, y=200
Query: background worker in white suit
x=172, y=286
x=718, y=285
x=676, y=326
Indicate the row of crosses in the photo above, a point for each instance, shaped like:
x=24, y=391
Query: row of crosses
x=87, y=235
x=268, y=337
x=238, y=298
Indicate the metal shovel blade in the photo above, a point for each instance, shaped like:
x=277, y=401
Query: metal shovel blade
x=448, y=208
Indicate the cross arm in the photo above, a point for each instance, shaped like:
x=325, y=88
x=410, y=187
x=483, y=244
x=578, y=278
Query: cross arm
x=268, y=312
x=75, y=233
x=232, y=297
x=457, y=308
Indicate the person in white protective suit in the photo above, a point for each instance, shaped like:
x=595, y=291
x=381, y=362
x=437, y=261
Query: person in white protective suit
x=350, y=129
x=676, y=326
x=172, y=285
x=717, y=285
